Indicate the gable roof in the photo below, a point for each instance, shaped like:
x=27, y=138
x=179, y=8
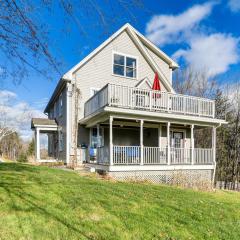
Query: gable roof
x=144, y=80
x=140, y=41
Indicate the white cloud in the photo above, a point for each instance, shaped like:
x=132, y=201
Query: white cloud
x=17, y=114
x=41, y=103
x=213, y=53
x=6, y=96
x=234, y=5
x=165, y=29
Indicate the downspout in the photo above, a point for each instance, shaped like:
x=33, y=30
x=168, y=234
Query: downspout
x=214, y=171
x=68, y=127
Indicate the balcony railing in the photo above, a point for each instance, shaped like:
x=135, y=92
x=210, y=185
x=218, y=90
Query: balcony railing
x=131, y=155
x=149, y=100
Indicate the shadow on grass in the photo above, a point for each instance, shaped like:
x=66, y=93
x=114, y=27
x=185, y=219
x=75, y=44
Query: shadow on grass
x=20, y=200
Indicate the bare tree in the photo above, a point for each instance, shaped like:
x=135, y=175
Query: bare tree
x=194, y=82
x=25, y=34
x=227, y=99
x=12, y=116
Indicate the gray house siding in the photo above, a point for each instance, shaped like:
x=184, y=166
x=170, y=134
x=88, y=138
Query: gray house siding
x=61, y=120
x=163, y=66
x=97, y=72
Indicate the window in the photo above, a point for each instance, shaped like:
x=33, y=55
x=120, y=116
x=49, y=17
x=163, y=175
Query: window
x=124, y=66
x=60, y=102
x=95, y=141
x=177, y=139
x=61, y=142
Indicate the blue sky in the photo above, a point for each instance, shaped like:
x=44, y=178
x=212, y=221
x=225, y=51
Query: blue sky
x=200, y=33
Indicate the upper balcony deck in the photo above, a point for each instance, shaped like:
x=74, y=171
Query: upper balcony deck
x=149, y=100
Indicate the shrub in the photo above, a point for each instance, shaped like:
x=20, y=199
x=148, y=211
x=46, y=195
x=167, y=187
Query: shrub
x=22, y=158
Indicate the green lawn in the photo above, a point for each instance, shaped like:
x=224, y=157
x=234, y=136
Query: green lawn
x=45, y=203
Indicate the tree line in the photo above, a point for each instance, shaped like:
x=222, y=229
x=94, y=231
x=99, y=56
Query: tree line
x=13, y=148
x=227, y=102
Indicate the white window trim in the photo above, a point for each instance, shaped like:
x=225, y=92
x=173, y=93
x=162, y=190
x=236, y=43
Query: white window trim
x=125, y=55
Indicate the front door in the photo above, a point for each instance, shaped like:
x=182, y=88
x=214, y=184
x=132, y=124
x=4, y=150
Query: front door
x=177, y=140
x=177, y=151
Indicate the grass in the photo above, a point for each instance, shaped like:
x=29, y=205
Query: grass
x=44, y=203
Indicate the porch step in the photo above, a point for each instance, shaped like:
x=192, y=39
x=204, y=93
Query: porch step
x=83, y=169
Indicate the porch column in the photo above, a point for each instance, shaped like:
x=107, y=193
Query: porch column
x=141, y=142
x=168, y=144
x=110, y=140
x=214, y=144
x=159, y=136
x=37, y=143
x=192, y=144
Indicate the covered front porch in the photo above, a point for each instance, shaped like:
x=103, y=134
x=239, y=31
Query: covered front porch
x=146, y=143
x=48, y=127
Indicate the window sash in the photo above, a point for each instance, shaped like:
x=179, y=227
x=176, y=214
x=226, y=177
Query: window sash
x=125, y=66
x=94, y=141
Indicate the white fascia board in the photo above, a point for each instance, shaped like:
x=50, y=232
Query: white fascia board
x=158, y=51
x=125, y=168
x=46, y=127
x=149, y=59
x=170, y=116
x=157, y=117
x=145, y=80
x=134, y=33
x=94, y=52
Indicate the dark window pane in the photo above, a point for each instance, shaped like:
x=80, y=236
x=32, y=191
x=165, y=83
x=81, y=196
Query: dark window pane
x=118, y=59
x=94, y=132
x=119, y=70
x=131, y=62
x=130, y=72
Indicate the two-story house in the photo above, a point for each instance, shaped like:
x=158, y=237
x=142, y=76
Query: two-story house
x=107, y=105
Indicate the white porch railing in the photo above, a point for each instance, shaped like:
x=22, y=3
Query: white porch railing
x=149, y=100
x=180, y=155
x=131, y=155
x=126, y=155
x=154, y=155
x=203, y=156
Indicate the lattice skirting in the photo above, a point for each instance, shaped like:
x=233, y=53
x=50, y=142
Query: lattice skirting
x=189, y=178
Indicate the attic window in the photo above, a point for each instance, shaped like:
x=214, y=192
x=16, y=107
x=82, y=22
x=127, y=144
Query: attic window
x=124, y=66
